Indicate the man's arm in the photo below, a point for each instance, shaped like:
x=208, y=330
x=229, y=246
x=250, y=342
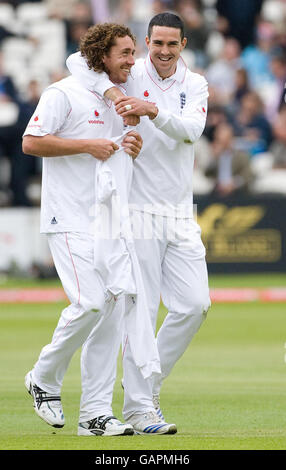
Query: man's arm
x=53, y=146
x=94, y=81
x=102, y=149
x=98, y=82
x=40, y=137
x=187, y=127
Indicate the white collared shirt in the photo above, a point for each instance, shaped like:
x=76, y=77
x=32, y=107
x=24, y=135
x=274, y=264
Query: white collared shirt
x=68, y=110
x=163, y=171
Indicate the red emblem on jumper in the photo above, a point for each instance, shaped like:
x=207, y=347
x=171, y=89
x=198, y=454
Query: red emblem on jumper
x=96, y=113
x=146, y=93
x=36, y=118
x=204, y=110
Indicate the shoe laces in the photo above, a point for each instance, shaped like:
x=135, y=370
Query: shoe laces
x=152, y=415
x=41, y=397
x=100, y=422
x=156, y=402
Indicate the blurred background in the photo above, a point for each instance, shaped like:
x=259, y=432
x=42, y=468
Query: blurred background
x=228, y=390
x=240, y=167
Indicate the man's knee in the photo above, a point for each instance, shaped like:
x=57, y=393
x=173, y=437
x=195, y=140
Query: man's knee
x=93, y=302
x=196, y=304
x=196, y=313
x=200, y=306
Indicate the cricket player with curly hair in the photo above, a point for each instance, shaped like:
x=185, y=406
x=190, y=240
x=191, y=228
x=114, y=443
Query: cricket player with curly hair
x=83, y=163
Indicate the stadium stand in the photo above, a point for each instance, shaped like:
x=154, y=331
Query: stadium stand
x=37, y=36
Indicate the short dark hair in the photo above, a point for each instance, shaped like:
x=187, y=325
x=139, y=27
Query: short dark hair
x=98, y=40
x=167, y=19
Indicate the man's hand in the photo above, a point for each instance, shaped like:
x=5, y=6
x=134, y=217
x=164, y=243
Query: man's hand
x=115, y=94
x=101, y=149
x=132, y=143
x=138, y=107
x=131, y=120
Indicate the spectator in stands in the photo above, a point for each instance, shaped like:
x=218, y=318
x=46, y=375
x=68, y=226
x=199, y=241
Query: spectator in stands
x=241, y=86
x=16, y=3
x=13, y=121
x=273, y=180
x=62, y=10
x=278, y=147
x=275, y=98
x=256, y=57
x=221, y=73
x=229, y=167
x=8, y=91
x=159, y=6
x=125, y=14
x=280, y=29
x=196, y=29
x=251, y=126
x=100, y=11
x=238, y=19
x=217, y=115
x=77, y=25
x=202, y=184
x=5, y=33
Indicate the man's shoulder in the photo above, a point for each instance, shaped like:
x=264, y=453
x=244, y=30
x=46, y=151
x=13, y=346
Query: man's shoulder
x=65, y=82
x=67, y=86
x=195, y=78
x=60, y=91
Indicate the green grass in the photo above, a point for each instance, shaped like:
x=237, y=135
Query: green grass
x=248, y=280
x=217, y=280
x=226, y=392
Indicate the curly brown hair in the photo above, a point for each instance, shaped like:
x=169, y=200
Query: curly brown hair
x=98, y=40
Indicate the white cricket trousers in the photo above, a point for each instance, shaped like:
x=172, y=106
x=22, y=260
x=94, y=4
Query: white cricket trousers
x=73, y=257
x=173, y=265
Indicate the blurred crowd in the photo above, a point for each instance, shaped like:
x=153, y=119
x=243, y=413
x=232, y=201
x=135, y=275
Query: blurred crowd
x=238, y=45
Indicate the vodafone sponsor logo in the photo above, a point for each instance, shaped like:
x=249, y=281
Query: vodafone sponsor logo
x=32, y=122
x=95, y=121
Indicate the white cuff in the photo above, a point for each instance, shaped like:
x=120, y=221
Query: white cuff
x=161, y=118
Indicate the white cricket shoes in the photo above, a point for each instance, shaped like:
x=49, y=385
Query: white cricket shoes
x=105, y=426
x=150, y=423
x=47, y=406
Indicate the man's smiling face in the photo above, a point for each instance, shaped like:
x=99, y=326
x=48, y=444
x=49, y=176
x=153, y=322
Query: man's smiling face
x=120, y=59
x=165, y=46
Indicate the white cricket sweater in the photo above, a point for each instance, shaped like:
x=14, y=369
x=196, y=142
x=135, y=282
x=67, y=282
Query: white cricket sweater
x=163, y=171
x=67, y=109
